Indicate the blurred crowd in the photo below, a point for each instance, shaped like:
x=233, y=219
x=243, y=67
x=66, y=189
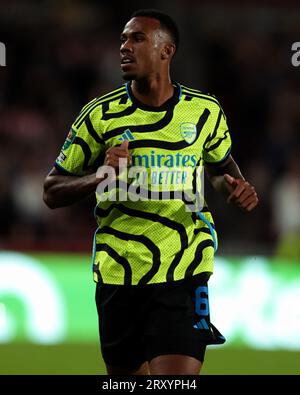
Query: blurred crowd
x=61, y=54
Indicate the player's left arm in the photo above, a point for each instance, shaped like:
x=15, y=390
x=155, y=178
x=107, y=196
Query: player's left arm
x=221, y=169
x=226, y=178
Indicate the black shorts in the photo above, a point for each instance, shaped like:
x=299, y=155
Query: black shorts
x=138, y=323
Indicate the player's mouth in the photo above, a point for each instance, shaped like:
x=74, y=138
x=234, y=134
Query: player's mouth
x=126, y=62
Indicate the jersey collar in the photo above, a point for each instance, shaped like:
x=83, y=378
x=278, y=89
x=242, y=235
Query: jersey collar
x=165, y=106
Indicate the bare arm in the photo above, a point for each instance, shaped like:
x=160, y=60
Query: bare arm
x=227, y=179
x=62, y=190
x=216, y=172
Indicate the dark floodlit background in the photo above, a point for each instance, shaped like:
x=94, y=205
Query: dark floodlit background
x=61, y=54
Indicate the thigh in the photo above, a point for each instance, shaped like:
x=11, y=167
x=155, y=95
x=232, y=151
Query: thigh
x=121, y=337
x=175, y=365
x=140, y=371
x=179, y=322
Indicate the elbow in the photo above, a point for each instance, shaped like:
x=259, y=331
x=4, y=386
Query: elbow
x=48, y=197
x=49, y=201
x=52, y=191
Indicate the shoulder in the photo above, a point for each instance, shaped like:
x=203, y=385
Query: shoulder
x=95, y=106
x=114, y=94
x=107, y=97
x=199, y=95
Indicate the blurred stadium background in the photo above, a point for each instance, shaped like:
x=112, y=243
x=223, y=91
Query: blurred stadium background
x=61, y=54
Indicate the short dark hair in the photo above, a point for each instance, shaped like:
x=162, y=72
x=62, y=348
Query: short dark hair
x=166, y=22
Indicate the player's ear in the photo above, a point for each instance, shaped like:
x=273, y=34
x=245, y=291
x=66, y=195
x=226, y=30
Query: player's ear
x=168, y=51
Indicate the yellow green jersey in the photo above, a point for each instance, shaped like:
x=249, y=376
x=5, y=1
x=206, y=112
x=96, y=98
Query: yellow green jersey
x=150, y=240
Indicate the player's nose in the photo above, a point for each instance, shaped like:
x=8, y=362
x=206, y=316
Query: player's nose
x=126, y=46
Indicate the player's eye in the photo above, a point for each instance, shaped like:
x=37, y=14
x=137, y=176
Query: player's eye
x=139, y=39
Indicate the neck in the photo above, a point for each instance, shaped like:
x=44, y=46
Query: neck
x=153, y=92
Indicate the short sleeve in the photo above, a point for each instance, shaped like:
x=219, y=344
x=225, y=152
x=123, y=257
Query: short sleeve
x=83, y=149
x=217, y=146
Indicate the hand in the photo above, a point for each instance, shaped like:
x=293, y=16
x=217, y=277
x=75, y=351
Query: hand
x=241, y=192
x=115, y=154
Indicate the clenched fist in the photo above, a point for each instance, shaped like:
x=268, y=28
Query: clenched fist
x=118, y=156
x=241, y=192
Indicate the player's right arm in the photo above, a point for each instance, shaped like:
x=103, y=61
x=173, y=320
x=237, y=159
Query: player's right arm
x=74, y=174
x=62, y=190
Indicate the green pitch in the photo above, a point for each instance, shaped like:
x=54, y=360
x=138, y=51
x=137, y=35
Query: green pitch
x=85, y=359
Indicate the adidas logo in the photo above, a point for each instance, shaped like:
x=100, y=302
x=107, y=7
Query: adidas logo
x=202, y=324
x=127, y=135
